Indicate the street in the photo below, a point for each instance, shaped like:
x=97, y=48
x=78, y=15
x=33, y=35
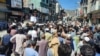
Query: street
x=50, y=27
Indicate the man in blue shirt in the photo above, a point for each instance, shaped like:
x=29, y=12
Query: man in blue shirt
x=30, y=50
x=6, y=42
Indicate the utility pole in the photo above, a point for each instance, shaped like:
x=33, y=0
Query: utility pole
x=32, y=7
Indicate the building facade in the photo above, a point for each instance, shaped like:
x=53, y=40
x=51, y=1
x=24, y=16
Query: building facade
x=41, y=6
x=94, y=11
x=91, y=10
x=84, y=7
x=3, y=10
x=52, y=8
x=45, y=8
x=16, y=7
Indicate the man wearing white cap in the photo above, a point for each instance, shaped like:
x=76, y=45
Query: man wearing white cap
x=48, y=35
x=84, y=41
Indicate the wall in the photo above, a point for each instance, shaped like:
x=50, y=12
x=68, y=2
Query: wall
x=2, y=14
x=97, y=5
x=36, y=4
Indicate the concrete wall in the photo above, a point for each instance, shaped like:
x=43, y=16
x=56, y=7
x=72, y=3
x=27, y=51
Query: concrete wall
x=2, y=14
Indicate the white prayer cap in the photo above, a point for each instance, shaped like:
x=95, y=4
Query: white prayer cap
x=47, y=29
x=13, y=24
x=30, y=23
x=86, y=39
x=81, y=29
x=68, y=35
x=51, y=26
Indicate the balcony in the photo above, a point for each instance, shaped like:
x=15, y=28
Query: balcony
x=84, y=5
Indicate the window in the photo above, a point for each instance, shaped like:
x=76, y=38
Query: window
x=99, y=4
x=47, y=1
x=98, y=21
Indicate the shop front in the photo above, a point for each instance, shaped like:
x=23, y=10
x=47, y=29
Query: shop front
x=16, y=8
x=16, y=16
x=95, y=17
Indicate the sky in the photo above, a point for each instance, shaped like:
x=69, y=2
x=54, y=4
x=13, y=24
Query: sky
x=69, y=4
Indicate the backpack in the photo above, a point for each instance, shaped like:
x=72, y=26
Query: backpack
x=64, y=50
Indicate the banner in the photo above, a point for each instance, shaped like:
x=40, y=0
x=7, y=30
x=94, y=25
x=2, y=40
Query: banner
x=16, y=3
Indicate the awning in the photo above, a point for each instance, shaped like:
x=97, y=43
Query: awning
x=44, y=10
x=95, y=14
x=5, y=10
x=26, y=10
x=17, y=13
x=95, y=11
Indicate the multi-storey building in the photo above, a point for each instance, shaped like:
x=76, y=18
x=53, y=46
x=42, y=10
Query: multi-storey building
x=45, y=8
x=84, y=6
x=16, y=7
x=41, y=6
x=91, y=10
x=52, y=8
x=94, y=14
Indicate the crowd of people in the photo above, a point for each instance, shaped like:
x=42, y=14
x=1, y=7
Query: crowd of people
x=50, y=39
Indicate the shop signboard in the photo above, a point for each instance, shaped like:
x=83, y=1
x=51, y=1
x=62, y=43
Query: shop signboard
x=17, y=13
x=44, y=10
x=2, y=1
x=16, y=4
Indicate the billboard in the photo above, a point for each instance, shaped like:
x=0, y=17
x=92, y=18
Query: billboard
x=2, y=1
x=16, y=4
